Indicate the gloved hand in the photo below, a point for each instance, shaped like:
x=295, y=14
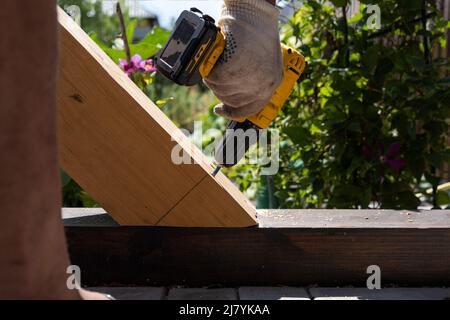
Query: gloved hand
x=251, y=67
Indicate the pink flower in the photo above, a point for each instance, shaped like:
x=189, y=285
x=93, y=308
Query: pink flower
x=137, y=64
x=127, y=67
x=147, y=66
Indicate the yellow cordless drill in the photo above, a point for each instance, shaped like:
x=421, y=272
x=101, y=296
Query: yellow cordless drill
x=190, y=54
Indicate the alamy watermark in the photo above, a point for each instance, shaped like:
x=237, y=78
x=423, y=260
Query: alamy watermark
x=75, y=12
x=74, y=279
x=374, y=280
x=263, y=147
x=374, y=21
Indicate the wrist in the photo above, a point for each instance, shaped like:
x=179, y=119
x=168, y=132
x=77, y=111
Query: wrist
x=259, y=13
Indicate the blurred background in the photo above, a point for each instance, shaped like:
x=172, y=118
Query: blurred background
x=368, y=125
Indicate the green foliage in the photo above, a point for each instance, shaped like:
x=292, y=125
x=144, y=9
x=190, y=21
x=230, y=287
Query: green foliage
x=146, y=48
x=73, y=195
x=184, y=105
x=443, y=198
x=93, y=19
x=369, y=121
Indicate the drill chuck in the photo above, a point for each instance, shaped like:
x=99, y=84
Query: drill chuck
x=238, y=138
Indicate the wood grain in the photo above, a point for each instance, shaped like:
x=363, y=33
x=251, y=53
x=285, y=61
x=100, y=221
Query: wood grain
x=347, y=218
x=186, y=212
x=277, y=253
x=117, y=145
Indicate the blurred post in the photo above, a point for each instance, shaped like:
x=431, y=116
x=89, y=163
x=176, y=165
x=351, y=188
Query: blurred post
x=33, y=253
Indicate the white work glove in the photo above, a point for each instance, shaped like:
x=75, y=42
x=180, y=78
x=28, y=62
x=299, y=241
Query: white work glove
x=251, y=67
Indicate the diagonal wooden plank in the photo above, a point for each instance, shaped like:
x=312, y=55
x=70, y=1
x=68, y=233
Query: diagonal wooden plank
x=118, y=145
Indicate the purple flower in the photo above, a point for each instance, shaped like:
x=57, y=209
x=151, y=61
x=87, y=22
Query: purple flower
x=125, y=66
x=137, y=64
x=396, y=164
x=393, y=150
x=391, y=157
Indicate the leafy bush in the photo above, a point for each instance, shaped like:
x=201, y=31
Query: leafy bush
x=369, y=123
x=93, y=19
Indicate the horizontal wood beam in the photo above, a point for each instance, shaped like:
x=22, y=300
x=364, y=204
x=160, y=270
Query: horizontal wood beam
x=290, y=247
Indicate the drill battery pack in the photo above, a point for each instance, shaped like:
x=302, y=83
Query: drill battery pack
x=192, y=50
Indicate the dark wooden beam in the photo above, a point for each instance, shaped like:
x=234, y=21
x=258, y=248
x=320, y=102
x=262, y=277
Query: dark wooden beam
x=290, y=247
